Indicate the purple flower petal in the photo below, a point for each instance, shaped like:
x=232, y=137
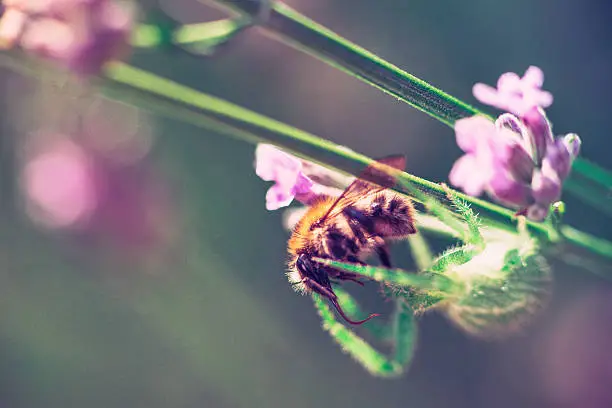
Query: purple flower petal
x=504, y=188
x=270, y=161
x=516, y=161
x=514, y=94
x=534, y=77
x=508, y=82
x=546, y=187
x=486, y=94
x=513, y=129
x=540, y=131
x=472, y=132
x=468, y=175
x=277, y=197
x=272, y=164
x=302, y=184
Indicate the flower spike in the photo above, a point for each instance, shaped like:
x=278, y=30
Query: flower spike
x=515, y=160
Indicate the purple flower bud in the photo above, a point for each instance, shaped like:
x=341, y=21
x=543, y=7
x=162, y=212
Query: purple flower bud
x=561, y=154
x=541, y=131
x=573, y=143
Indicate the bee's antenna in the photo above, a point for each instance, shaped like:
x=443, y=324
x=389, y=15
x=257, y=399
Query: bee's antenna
x=345, y=317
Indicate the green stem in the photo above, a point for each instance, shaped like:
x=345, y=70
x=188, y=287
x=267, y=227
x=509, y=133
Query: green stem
x=594, y=172
x=587, y=241
x=302, y=33
x=202, y=38
x=591, y=194
x=312, y=38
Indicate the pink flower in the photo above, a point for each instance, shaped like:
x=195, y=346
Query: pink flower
x=294, y=178
x=514, y=94
x=516, y=161
x=80, y=34
x=272, y=164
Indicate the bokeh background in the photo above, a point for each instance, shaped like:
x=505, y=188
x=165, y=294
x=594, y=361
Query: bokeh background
x=139, y=267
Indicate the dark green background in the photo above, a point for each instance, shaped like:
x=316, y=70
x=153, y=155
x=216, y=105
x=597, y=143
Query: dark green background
x=216, y=324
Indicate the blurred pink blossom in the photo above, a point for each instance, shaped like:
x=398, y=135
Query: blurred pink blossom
x=61, y=185
x=515, y=94
x=70, y=185
x=80, y=34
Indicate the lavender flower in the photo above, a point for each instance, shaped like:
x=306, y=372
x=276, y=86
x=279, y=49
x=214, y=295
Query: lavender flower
x=294, y=178
x=80, y=34
x=516, y=161
x=514, y=94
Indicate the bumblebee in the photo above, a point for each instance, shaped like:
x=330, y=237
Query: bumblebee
x=349, y=228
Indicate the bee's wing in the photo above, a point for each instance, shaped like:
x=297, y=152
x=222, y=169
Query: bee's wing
x=375, y=178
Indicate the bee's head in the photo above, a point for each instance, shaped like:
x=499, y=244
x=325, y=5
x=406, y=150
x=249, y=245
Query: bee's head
x=316, y=278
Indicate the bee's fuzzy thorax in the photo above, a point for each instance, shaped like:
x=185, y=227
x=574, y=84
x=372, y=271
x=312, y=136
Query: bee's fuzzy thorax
x=301, y=237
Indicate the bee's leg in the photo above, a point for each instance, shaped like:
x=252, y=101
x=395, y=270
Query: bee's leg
x=402, y=332
x=353, y=277
x=333, y=299
x=383, y=252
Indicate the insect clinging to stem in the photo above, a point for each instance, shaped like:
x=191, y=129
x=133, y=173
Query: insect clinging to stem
x=357, y=224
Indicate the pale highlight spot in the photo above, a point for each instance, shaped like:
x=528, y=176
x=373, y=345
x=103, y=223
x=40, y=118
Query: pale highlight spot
x=59, y=185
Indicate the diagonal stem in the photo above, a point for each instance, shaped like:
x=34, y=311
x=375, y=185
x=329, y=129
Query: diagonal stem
x=304, y=34
x=308, y=36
